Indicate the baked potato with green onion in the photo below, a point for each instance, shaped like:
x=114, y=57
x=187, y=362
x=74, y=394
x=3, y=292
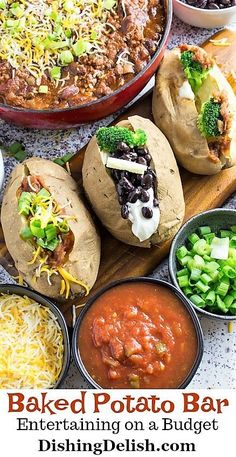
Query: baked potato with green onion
x=48, y=231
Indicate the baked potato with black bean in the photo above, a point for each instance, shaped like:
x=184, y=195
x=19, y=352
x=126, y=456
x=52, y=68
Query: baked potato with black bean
x=132, y=181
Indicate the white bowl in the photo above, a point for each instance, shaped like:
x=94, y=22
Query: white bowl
x=208, y=19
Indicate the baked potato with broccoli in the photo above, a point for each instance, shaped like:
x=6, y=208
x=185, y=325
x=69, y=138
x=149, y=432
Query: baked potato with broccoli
x=132, y=180
x=195, y=107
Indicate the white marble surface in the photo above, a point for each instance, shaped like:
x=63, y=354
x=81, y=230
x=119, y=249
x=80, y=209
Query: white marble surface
x=218, y=367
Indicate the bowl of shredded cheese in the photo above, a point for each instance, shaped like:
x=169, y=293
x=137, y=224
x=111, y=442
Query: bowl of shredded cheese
x=34, y=341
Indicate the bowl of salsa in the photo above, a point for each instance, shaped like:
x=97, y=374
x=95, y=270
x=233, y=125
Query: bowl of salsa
x=138, y=333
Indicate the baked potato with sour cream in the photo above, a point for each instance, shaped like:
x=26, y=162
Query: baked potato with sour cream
x=195, y=107
x=132, y=180
x=48, y=231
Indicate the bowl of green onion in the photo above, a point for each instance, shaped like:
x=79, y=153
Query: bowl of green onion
x=202, y=262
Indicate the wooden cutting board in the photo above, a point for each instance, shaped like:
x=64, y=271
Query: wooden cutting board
x=200, y=192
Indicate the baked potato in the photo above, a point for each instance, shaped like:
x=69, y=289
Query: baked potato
x=132, y=180
x=48, y=231
x=195, y=107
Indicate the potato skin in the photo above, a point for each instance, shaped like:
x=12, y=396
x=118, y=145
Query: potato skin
x=100, y=188
x=177, y=118
x=83, y=261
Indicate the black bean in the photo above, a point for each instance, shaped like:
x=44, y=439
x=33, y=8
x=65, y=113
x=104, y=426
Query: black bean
x=124, y=211
x=142, y=161
x=139, y=190
x=133, y=196
x=201, y=3
x=155, y=202
x=136, y=183
x=119, y=189
x=133, y=156
x=211, y=4
x=126, y=184
x=141, y=151
x=121, y=199
x=116, y=174
x=144, y=196
x=147, y=181
x=124, y=174
x=126, y=157
x=134, y=179
x=152, y=172
x=116, y=155
x=123, y=147
x=147, y=212
x=148, y=158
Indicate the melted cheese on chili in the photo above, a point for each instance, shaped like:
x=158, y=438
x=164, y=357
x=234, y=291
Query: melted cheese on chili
x=39, y=35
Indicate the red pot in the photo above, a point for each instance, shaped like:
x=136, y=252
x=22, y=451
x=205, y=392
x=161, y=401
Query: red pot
x=72, y=117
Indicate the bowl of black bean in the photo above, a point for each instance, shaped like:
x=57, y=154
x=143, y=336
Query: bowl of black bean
x=206, y=13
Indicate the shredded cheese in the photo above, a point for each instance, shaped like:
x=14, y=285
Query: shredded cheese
x=232, y=79
x=68, y=168
x=233, y=73
x=230, y=327
x=31, y=344
x=63, y=287
x=36, y=35
x=68, y=278
x=123, y=58
x=36, y=254
x=80, y=306
x=30, y=184
x=19, y=279
x=46, y=210
x=221, y=42
x=73, y=315
x=123, y=8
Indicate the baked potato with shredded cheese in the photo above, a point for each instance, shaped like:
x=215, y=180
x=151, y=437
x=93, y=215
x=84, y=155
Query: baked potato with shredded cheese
x=132, y=180
x=195, y=107
x=48, y=231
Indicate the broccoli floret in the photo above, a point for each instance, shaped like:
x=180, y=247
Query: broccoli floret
x=195, y=73
x=139, y=137
x=108, y=138
x=208, y=118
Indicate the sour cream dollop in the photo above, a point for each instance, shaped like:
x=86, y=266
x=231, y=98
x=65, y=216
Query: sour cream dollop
x=185, y=91
x=144, y=228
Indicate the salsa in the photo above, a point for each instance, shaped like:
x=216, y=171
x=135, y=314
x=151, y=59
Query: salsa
x=138, y=335
x=62, y=54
